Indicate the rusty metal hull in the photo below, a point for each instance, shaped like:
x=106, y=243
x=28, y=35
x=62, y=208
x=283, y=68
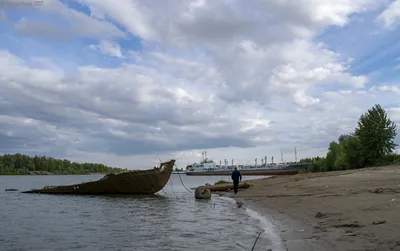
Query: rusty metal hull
x=133, y=182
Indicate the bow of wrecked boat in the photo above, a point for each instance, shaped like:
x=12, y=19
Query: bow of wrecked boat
x=148, y=181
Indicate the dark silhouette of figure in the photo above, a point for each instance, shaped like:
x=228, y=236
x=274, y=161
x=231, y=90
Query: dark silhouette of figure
x=236, y=177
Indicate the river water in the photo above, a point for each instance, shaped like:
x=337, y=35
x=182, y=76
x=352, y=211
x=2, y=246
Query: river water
x=174, y=220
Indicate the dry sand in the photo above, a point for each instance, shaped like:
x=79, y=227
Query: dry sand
x=344, y=210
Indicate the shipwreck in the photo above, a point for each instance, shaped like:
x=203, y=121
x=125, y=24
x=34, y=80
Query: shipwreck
x=132, y=182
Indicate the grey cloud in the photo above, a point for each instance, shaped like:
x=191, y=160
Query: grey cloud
x=10, y=143
x=18, y=137
x=219, y=28
x=75, y=24
x=76, y=120
x=217, y=24
x=43, y=30
x=3, y=16
x=188, y=140
x=240, y=71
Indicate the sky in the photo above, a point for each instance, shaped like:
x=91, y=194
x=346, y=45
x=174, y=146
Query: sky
x=128, y=83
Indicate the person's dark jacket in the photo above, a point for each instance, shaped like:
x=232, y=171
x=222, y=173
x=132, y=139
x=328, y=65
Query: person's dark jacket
x=236, y=175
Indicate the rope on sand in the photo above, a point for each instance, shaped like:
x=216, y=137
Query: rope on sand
x=254, y=245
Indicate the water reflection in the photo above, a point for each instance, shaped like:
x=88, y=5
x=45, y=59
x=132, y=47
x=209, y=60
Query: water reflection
x=171, y=221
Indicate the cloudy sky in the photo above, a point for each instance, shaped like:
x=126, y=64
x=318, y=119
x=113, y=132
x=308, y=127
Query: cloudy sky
x=129, y=82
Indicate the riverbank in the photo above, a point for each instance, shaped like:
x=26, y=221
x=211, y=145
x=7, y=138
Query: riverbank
x=33, y=173
x=343, y=210
x=47, y=173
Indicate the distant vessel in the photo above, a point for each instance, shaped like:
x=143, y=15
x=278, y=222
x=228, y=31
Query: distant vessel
x=208, y=167
x=132, y=182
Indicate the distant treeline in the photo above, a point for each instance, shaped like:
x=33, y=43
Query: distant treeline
x=11, y=164
x=371, y=144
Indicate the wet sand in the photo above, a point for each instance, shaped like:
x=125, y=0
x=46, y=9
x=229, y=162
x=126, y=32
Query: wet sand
x=344, y=210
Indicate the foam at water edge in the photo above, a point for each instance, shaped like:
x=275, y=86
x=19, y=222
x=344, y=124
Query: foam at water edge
x=269, y=228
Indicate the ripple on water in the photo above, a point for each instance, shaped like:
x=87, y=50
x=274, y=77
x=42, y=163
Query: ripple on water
x=175, y=221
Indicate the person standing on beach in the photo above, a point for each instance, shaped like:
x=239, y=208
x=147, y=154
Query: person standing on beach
x=236, y=177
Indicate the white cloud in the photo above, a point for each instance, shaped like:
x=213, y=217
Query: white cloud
x=108, y=48
x=394, y=114
x=390, y=15
x=219, y=22
x=137, y=109
x=128, y=13
x=303, y=100
x=397, y=67
x=387, y=88
x=244, y=78
x=79, y=24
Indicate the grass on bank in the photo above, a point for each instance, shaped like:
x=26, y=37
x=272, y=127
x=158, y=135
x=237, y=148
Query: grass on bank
x=220, y=182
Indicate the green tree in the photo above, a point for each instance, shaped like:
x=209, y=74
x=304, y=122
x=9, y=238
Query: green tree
x=24, y=164
x=376, y=133
x=352, y=149
x=332, y=155
x=318, y=163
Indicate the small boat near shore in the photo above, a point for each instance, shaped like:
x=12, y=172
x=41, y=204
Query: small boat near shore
x=133, y=182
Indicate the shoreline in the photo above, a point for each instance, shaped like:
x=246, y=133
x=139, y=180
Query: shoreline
x=341, y=210
x=270, y=230
x=52, y=174
x=293, y=234
x=288, y=234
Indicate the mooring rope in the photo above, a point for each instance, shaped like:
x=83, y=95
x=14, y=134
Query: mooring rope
x=182, y=180
x=172, y=188
x=254, y=245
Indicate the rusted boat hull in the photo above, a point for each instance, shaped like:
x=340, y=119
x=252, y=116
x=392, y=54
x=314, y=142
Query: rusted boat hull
x=133, y=182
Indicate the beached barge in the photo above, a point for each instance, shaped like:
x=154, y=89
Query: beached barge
x=133, y=182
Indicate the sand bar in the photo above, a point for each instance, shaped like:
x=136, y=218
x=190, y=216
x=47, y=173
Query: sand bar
x=343, y=210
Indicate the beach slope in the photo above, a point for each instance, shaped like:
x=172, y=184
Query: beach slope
x=343, y=210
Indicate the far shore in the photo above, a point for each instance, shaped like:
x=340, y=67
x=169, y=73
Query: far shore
x=342, y=210
x=46, y=173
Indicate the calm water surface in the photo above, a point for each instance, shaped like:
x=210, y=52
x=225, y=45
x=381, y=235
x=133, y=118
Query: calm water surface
x=174, y=220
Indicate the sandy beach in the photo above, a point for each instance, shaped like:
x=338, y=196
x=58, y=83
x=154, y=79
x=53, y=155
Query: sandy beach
x=344, y=210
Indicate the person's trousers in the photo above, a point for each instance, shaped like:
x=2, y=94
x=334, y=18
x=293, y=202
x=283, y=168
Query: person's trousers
x=235, y=186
